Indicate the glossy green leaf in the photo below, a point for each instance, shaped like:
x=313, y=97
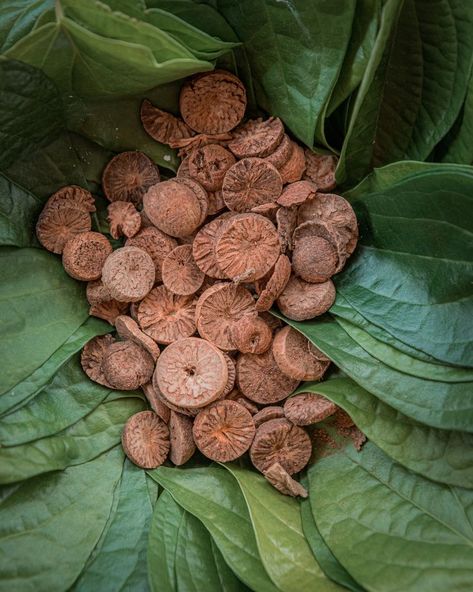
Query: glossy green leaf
x=391, y=529
x=19, y=18
x=19, y=210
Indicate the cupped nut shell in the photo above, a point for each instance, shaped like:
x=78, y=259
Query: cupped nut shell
x=167, y=317
x=57, y=225
x=293, y=169
x=72, y=196
x=260, y=379
x=208, y=165
x=279, y=441
x=128, y=176
x=213, y=102
x=108, y=310
x=297, y=193
x=145, y=440
x=283, y=482
x=180, y=272
x=252, y=335
x=249, y=183
x=156, y=402
x=127, y=366
x=320, y=168
x=297, y=357
x=218, y=309
x=316, y=256
x=92, y=357
x=161, y=125
x=191, y=373
x=182, y=440
x=224, y=431
x=275, y=285
x=308, y=408
x=156, y=243
x=84, y=255
x=129, y=274
x=301, y=300
x=257, y=138
x=127, y=328
x=247, y=247
x=123, y=218
x=203, y=247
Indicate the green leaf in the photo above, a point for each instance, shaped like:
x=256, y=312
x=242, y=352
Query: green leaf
x=49, y=525
x=391, y=529
x=212, y=495
x=19, y=210
x=19, y=18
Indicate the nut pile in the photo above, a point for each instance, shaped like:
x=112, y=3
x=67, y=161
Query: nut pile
x=248, y=222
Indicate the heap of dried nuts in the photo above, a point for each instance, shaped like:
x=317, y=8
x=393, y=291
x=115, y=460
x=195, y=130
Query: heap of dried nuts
x=248, y=222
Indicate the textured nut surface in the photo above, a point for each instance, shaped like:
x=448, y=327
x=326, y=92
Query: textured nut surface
x=249, y=183
x=123, y=218
x=308, y=408
x=320, y=168
x=127, y=328
x=156, y=402
x=72, y=196
x=293, y=169
x=231, y=368
x=267, y=413
x=224, y=431
x=92, y=356
x=57, y=225
x=257, y=138
x=297, y=193
x=260, y=379
x=279, y=441
x=191, y=373
x=161, y=125
x=182, y=440
x=145, y=440
x=156, y=243
x=96, y=292
x=128, y=176
x=203, y=247
x=282, y=153
x=213, y=102
x=247, y=247
x=201, y=195
x=209, y=164
x=170, y=406
x=165, y=316
x=297, y=357
x=275, y=285
x=127, y=366
x=129, y=274
x=316, y=255
x=180, y=272
x=108, y=310
x=286, y=221
x=216, y=203
x=84, y=255
x=188, y=145
x=252, y=335
x=301, y=300
x=283, y=482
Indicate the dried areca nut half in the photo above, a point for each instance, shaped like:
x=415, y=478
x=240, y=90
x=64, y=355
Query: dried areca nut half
x=249, y=183
x=231, y=376
x=191, y=373
x=127, y=328
x=159, y=396
x=260, y=379
x=57, y=225
x=108, y=310
x=218, y=309
x=156, y=243
x=252, y=335
x=259, y=138
x=247, y=404
x=275, y=285
x=129, y=274
x=72, y=196
x=297, y=193
x=308, y=408
x=203, y=247
x=279, y=441
x=180, y=272
x=208, y=165
x=92, y=357
x=128, y=176
x=320, y=168
x=213, y=103
x=293, y=169
x=283, y=482
x=200, y=193
x=301, y=300
x=316, y=256
x=268, y=210
x=282, y=153
x=84, y=255
x=267, y=413
x=216, y=203
x=335, y=211
x=286, y=222
x=188, y=145
x=167, y=317
x=183, y=169
x=127, y=366
x=173, y=207
x=96, y=292
x=156, y=403
x=182, y=440
x=297, y=357
x=124, y=219
x=224, y=431
x=161, y=125
x=145, y=440
x=247, y=247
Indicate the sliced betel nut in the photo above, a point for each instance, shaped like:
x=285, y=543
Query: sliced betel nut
x=275, y=284
x=316, y=256
x=127, y=366
x=308, y=408
x=267, y=413
x=96, y=292
x=283, y=482
x=252, y=335
x=297, y=357
x=156, y=243
x=281, y=155
x=72, y=196
x=108, y=310
x=127, y=328
x=213, y=102
x=180, y=272
x=257, y=138
x=280, y=441
x=123, y=219
x=208, y=165
x=293, y=169
x=203, y=247
x=182, y=440
x=57, y=225
x=191, y=373
x=286, y=222
x=224, y=431
x=297, y=193
x=92, y=357
x=231, y=375
x=129, y=274
x=156, y=402
x=301, y=301
x=200, y=193
x=320, y=168
x=145, y=440
x=84, y=255
x=170, y=406
x=128, y=176
x=161, y=125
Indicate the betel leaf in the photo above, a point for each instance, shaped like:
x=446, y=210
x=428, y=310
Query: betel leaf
x=49, y=525
x=277, y=525
x=19, y=18
x=212, y=495
x=19, y=210
x=440, y=455
x=390, y=528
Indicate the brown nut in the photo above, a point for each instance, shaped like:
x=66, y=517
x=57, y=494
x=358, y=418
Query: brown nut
x=267, y=413
x=170, y=406
x=297, y=357
x=279, y=441
x=208, y=165
x=161, y=125
x=180, y=272
x=129, y=274
x=283, y=482
x=57, y=225
x=294, y=194
x=127, y=366
x=156, y=402
x=84, y=255
x=251, y=335
x=275, y=285
x=191, y=373
x=72, y=196
x=282, y=153
x=247, y=247
x=268, y=210
x=308, y=408
x=231, y=376
x=96, y=292
x=320, y=168
x=249, y=183
x=293, y=169
x=224, y=431
x=188, y=145
x=108, y=310
x=316, y=256
x=216, y=203
x=301, y=301
x=273, y=322
x=127, y=328
x=260, y=379
x=182, y=440
x=92, y=357
x=286, y=221
x=124, y=219
x=213, y=102
x=167, y=317
x=156, y=243
x=203, y=247
x=217, y=311
x=145, y=440
x=257, y=138
x=128, y=176
x=200, y=193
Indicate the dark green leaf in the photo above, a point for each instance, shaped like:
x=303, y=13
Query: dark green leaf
x=19, y=18
x=19, y=210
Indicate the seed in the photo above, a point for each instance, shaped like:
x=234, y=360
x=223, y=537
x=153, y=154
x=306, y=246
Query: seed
x=145, y=440
x=128, y=176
